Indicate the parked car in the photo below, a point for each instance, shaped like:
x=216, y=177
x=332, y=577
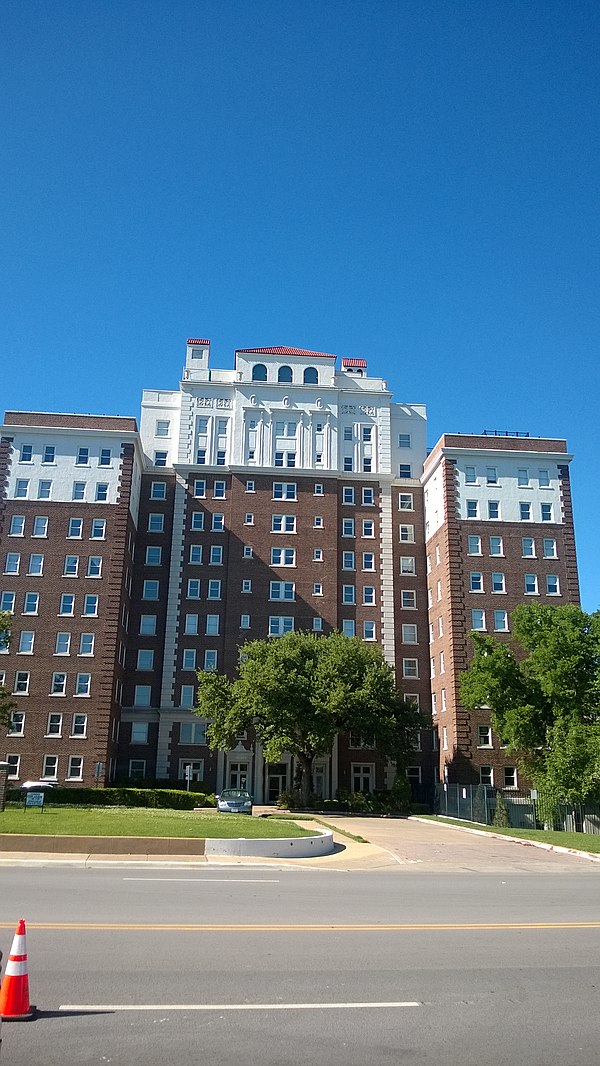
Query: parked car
x=234, y=801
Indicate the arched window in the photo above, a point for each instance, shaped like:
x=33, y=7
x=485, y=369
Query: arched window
x=284, y=374
x=311, y=376
x=259, y=372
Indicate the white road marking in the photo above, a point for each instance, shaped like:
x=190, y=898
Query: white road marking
x=232, y=1006
x=213, y=880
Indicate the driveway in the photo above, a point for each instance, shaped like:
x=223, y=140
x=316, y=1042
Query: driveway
x=425, y=845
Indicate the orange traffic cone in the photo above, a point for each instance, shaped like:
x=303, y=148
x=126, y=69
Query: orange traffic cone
x=14, y=990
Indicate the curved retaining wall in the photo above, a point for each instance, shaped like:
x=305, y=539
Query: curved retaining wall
x=273, y=848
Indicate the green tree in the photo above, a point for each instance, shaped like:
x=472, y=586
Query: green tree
x=299, y=691
x=6, y=704
x=544, y=695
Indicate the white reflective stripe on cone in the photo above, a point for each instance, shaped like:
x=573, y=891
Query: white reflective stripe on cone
x=15, y=969
x=19, y=944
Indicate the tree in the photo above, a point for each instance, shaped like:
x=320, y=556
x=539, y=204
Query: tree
x=300, y=690
x=6, y=704
x=544, y=695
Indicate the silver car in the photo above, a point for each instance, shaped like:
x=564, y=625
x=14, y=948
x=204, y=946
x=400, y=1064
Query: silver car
x=234, y=801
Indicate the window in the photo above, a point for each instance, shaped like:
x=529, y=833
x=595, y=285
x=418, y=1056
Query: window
x=501, y=621
x=156, y=523
x=79, y=725
x=153, y=556
x=40, y=526
x=470, y=475
x=162, y=428
x=67, y=603
x=31, y=603
x=21, y=683
x=188, y=661
x=491, y=475
x=26, y=454
x=318, y=490
x=407, y=534
x=282, y=590
x=150, y=590
x=347, y=464
x=187, y=696
x=247, y=551
x=407, y=564
x=283, y=523
x=58, y=685
x=348, y=495
x=63, y=644
x=16, y=726
x=13, y=765
x=528, y=545
x=510, y=777
x=158, y=490
x=191, y=625
x=101, y=491
x=280, y=624
x=318, y=521
x=347, y=527
x=405, y=470
x=367, y=465
x=409, y=634
x=216, y=555
x=317, y=625
x=197, y=521
x=525, y=511
x=546, y=509
x=44, y=490
x=26, y=642
x=311, y=376
x=21, y=488
x=498, y=583
x=71, y=566
x=549, y=548
x=245, y=621
x=367, y=434
x=472, y=509
x=78, y=491
x=531, y=585
x=283, y=557
x=218, y=523
x=105, y=457
x=137, y=769
x=476, y=581
x=405, y=501
x=210, y=660
x=493, y=509
x=544, y=478
x=219, y=490
x=214, y=590
x=193, y=588
x=496, y=546
x=552, y=587
x=90, y=605
x=486, y=775
x=404, y=440
x=250, y=486
x=248, y=519
x=50, y=767
x=348, y=627
x=368, y=561
x=213, y=622
x=474, y=545
x=86, y=644
x=477, y=619
x=12, y=563
x=160, y=458
x=145, y=659
x=148, y=625
x=83, y=457
x=284, y=490
x=246, y=585
x=36, y=564
x=142, y=696
x=17, y=525
x=83, y=684
x=484, y=736
x=348, y=594
x=201, y=457
x=348, y=561
x=410, y=668
x=523, y=477
x=98, y=530
x=408, y=599
x=369, y=595
x=317, y=555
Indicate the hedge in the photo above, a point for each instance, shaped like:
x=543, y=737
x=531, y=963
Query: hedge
x=169, y=798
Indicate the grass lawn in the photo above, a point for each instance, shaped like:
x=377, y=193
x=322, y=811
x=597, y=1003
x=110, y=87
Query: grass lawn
x=579, y=841
x=141, y=822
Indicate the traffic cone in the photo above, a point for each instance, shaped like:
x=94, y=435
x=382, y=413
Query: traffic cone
x=14, y=990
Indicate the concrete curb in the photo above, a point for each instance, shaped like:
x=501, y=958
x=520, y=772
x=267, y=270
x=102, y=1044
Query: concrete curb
x=272, y=847
x=592, y=856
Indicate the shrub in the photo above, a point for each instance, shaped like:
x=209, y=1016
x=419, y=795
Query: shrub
x=163, y=798
x=501, y=819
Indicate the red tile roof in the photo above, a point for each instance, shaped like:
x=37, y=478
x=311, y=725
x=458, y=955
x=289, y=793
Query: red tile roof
x=197, y=340
x=285, y=351
x=354, y=362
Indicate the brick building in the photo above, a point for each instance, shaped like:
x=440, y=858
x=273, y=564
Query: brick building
x=282, y=494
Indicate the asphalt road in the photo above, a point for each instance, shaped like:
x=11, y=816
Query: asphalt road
x=413, y=963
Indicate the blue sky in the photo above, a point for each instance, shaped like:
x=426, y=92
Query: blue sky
x=412, y=182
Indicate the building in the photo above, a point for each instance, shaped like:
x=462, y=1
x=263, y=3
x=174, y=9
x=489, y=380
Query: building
x=285, y=493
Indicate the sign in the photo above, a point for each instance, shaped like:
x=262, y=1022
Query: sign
x=34, y=799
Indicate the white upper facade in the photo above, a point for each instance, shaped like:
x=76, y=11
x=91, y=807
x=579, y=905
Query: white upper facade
x=283, y=408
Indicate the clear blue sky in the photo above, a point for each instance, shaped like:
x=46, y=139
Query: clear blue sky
x=413, y=182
